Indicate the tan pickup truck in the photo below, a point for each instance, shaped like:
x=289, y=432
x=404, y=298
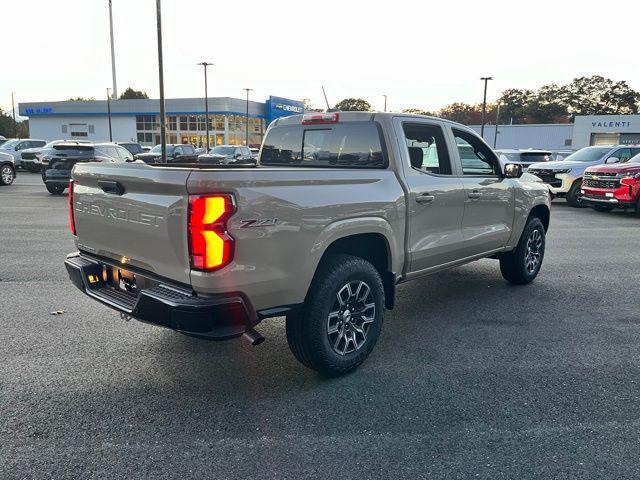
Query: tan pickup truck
x=341, y=208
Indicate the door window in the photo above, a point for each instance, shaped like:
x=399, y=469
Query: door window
x=623, y=154
x=476, y=157
x=427, y=148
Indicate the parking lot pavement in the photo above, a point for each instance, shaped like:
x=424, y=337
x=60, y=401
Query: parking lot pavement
x=472, y=377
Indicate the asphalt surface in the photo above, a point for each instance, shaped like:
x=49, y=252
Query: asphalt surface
x=471, y=378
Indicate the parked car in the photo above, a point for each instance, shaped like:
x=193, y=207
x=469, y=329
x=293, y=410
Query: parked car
x=176, y=153
x=7, y=169
x=525, y=158
x=341, y=209
x=56, y=172
x=606, y=187
x=228, y=155
x=255, y=152
x=14, y=147
x=133, y=147
x=2, y=139
x=30, y=158
x=564, y=177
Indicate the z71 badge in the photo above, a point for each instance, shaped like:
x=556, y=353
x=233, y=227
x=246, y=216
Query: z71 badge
x=265, y=222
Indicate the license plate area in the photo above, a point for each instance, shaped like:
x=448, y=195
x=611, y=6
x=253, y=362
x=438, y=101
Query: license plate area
x=120, y=279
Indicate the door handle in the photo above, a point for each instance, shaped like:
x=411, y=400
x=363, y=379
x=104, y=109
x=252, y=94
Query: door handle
x=425, y=198
x=474, y=195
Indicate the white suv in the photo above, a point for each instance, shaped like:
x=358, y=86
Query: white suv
x=15, y=146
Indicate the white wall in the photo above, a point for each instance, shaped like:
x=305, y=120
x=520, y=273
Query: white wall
x=50, y=128
x=588, y=124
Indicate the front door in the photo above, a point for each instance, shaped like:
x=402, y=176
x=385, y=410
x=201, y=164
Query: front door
x=489, y=204
x=436, y=195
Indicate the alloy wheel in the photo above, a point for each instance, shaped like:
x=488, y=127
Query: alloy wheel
x=7, y=175
x=533, y=255
x=353, y=312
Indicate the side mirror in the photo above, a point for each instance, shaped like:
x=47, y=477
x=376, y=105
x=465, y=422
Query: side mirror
x=512, y=170
x=237, y=155
x=16, y=148
x=612, y=160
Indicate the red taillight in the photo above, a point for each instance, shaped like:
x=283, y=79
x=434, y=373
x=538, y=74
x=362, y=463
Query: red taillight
x=72, y=221
x=210, y=243
x=319, y=118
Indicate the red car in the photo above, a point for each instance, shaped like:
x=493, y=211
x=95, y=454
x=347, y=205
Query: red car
x=605, y=187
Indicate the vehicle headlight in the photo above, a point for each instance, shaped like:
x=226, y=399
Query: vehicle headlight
x=564, y=170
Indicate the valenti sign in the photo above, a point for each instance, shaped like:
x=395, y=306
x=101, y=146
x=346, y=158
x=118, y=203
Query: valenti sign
x=611, y=124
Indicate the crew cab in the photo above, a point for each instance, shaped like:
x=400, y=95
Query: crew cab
x=176, y=153
x=564, y=177
x=342, y=207
x=606, y=187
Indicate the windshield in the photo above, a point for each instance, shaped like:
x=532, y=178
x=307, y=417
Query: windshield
x=635, y=159
x=222, y=150
x=9, y=144
x=158, y=149
x=588, y=154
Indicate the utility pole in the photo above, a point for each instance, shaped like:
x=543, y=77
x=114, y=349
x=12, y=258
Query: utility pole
x=495, y=135
x=385, y=102
x=113, y=54
x=206, y=100
x=109, y=113
x=484, y=103
x=246, y=139
x=163, y=120
x=13, y=113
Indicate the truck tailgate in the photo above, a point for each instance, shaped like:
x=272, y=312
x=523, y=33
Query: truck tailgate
x=134, y=214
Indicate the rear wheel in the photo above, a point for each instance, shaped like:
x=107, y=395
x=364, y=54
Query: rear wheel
x=7, y=175
x=521, y=266
x=55, y=189
x=602, y=208
x=342, y=318
x=574, y=196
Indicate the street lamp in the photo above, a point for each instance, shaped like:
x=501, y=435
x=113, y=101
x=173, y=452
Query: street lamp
x=163, y=120
x=246, y=139
x=484, y=103
x=385, y=102
x=206, y=100
x=109, y=114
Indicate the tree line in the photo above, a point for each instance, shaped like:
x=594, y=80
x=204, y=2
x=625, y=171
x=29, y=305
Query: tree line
x=553, y=103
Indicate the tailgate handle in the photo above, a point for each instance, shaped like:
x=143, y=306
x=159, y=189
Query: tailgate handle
x=111, y=187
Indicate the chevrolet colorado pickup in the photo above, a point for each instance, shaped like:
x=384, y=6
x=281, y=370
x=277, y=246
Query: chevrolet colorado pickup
x=342, y=207
x=606, y=187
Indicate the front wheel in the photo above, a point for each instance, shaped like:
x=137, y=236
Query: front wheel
x=7, y=175
x=574, y=197
x=342, y=318
x=521, y=266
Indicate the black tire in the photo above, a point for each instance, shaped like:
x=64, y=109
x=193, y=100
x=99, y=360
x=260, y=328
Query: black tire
x=637, y=212
x=308, y=331
x=602, y=208
x=574, y=195
x=7, y=174
x=55, y=189
x=516, y=266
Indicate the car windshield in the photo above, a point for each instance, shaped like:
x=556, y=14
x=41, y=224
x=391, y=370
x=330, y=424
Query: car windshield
x=222, y=150
x=9, y=144
x=158, y=149
x=635, y=159
x=588, y=154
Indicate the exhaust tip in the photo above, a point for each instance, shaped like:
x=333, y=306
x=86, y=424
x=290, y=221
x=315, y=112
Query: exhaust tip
x=253, y=337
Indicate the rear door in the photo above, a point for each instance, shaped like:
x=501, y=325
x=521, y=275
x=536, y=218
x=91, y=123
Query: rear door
x=489, y=197
x=436, y=194
x=134, y=214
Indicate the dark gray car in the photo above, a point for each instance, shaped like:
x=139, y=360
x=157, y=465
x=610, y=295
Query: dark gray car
x=228, y=155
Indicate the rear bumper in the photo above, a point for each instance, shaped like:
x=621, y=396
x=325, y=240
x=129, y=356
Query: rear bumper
x=163, y=305
x=52, y=176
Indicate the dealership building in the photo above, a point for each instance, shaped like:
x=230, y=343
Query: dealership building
x=138, y=120
x=585, y=131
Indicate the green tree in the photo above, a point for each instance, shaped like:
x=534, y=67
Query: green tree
x=418, y=111
x=353, y=105
x=130, y=93
x=81, y=99
x=598, y=95
x=514, y=104
x=464, y=113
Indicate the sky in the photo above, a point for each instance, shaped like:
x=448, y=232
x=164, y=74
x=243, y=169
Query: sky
x=422, y=54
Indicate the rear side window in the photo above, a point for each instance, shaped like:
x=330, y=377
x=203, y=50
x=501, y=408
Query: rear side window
x=352, y=145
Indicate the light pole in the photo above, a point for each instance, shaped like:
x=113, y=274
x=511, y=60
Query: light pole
x=385, y=102
x=484, y=103
x=109, y=114
x=163, y=120
x=206, y=100
x=13, y=113
x=246, y=138
x=113, y=54
x=495, y=135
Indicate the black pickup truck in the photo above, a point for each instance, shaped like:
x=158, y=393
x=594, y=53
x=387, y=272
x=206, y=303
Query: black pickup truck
x=176, y=153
